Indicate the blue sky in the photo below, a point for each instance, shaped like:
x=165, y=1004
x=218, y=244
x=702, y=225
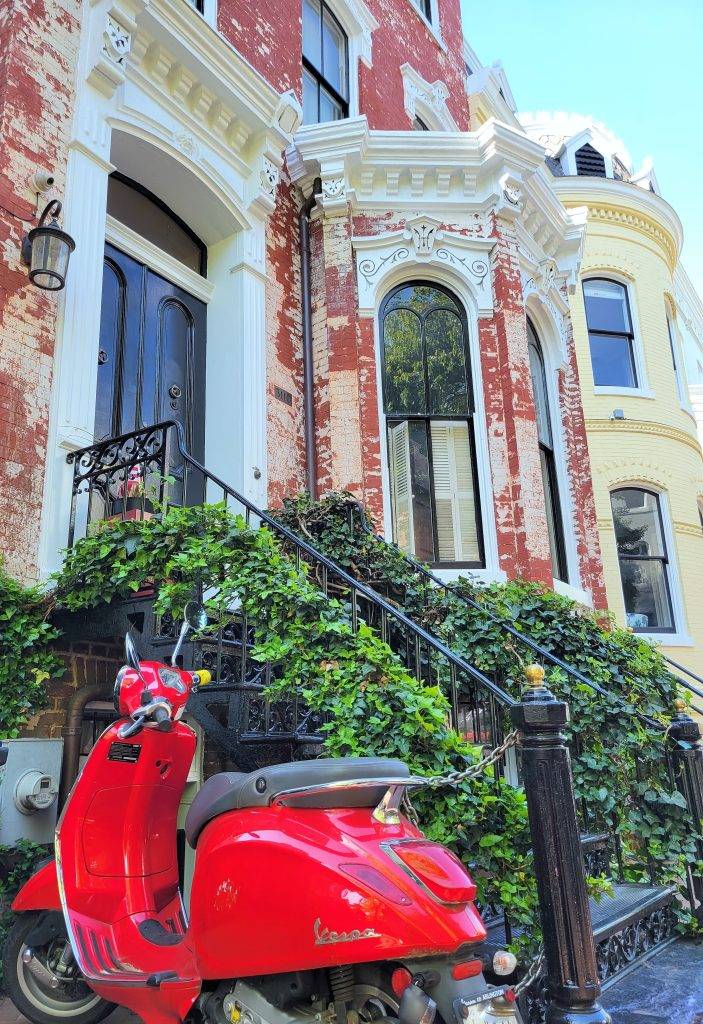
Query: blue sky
x=637, y=66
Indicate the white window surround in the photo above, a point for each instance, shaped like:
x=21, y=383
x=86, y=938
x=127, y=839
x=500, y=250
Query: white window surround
x=359, y=24
x=643, y=389
x=427, y=100
x=433, y=23
x=209, y=11
x=411, y=254
x=678, y=360
x=577, y=594
x=679, y=637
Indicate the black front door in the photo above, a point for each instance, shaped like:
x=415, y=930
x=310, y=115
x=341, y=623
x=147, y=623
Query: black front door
x=151, y=362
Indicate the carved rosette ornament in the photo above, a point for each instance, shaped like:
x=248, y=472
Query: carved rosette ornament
x=269, y=177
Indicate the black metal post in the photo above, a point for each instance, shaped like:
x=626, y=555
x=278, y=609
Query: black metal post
x=572, y=973
x=687, y=756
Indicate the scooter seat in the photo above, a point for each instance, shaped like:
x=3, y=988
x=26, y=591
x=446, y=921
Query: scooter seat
x=230, y=791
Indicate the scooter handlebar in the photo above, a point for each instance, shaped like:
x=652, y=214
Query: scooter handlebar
x=162, y=718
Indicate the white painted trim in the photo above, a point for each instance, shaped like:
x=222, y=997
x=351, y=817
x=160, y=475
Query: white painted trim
x=359, y=25
x=669, y=639
x=574, y=593
x=462, y=290
x=433, y=23
x=484, y=577
x=427, y=100
x=156, y=259
x=643, y=389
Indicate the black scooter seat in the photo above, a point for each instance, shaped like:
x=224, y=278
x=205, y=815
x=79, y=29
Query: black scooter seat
x=230, y=791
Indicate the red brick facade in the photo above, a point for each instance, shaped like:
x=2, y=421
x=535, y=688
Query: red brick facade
x=39, y=58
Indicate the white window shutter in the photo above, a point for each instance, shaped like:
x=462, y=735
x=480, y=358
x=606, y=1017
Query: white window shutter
x=455, y=506
x=401, y=486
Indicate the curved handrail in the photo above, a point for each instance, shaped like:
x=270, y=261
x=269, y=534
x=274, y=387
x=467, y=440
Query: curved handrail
x=456, y=661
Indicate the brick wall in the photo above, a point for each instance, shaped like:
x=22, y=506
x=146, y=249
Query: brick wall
x=39, y=51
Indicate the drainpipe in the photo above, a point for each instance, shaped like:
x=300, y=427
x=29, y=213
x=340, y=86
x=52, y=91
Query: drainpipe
x=308, y=369
x=72, y=735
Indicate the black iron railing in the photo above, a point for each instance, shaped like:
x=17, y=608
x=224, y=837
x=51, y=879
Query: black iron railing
x=129, y=476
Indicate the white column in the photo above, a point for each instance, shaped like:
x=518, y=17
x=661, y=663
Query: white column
x=77, y=337
x=236, y=397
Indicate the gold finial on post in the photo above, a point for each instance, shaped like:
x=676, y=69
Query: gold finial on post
x=534, y=674
x=679, y=705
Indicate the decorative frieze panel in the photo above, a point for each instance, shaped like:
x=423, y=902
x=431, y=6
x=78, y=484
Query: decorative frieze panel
x=422, y=243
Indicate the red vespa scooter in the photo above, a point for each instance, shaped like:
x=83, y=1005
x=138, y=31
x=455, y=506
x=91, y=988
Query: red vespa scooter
x=313, y=900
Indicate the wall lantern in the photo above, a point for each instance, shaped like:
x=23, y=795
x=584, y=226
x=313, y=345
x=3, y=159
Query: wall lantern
x=47, y=249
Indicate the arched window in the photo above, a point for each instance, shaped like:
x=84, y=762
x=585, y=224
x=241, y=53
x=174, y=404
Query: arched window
x=644, y=559
x=555, y=526
x=325, y=65
x=610, y=333
x=429, y=418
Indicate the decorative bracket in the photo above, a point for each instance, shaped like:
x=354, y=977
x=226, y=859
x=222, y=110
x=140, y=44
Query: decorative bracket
x=421, y=243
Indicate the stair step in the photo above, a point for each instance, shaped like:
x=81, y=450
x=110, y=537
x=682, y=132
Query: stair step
x=630, y=902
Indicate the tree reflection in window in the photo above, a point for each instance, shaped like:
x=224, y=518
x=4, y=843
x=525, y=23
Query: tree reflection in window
x=643, y=558
x=427, y=389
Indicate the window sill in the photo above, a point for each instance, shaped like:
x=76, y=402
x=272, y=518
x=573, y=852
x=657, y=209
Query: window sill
x=602, y=389
x=482, y=576
x=668, y=639
x=577, y=594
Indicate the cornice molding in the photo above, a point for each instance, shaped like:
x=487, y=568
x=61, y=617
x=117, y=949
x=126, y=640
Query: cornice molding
x=628, y=205
x=692, y=529
x=644, y=427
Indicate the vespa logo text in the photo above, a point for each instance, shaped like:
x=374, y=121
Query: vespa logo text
x=325, y=937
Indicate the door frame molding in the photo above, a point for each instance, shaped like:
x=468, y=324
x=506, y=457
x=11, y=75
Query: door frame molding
x=133, y=244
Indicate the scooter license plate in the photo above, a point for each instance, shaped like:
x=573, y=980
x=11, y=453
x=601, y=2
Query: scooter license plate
x=473, y=1010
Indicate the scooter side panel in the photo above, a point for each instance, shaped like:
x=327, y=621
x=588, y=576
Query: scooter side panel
x=40, y=892
x=271, y=894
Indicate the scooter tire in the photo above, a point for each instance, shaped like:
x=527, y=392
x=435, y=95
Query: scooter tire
x=38, y=1004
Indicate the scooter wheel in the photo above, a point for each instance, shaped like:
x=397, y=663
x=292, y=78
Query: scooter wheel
x=29, y=985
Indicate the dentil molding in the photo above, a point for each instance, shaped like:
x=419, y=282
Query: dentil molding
x=422, y=242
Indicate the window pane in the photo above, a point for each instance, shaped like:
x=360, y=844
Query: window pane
x=421, y=298
x=455, y=502
x=638, y=522
x=606, y=306
x=554, y=525
x=539, y=389
x=334, y=54
x=404, y=385
x=446, y=364
x=646, y=594
x=310, y=113
x=410, y=488
x=330, y=110
x=612, y=362
x=311, y=32
x=140, y=213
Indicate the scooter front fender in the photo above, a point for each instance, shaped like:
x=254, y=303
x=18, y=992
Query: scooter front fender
x=40, y=892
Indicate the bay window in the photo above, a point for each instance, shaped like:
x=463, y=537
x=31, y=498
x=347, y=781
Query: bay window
x=643, y=559
x=610, y=334
x=429, y=422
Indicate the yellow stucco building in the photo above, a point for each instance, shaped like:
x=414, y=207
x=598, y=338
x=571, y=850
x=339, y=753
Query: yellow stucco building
x=646, y=458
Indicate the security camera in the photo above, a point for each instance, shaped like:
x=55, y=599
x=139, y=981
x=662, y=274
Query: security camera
x=43, y=181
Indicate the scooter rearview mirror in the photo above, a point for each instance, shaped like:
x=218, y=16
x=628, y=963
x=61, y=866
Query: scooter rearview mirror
x=194, y=618
x=132, y=655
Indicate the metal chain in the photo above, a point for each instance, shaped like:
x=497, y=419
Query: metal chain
x=474, y=770
x=456, y=777
x=533, y=973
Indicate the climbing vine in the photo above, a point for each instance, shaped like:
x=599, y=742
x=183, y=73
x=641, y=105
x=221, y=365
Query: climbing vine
x=27, y=661
x=621, y=779
x=372, y=706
